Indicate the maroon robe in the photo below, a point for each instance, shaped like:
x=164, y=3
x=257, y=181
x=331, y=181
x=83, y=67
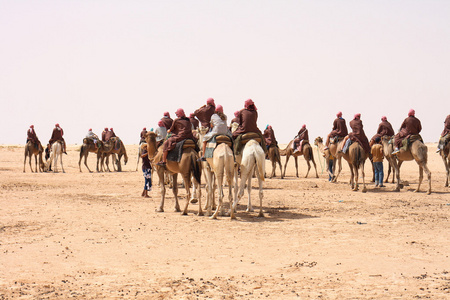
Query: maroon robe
x=194, y=122
x=358, y=134
x=269, y=137
x=247, y=122
x=411, y=125
x=104, y=135
x=167, y=122
x=31, y=136
x=385, y=128
x=235, y=120
x=181, y=129
x=446, y=126
x=204, y=114
x=339, y=128
x=108, y=135
x=57, y=135
x=303, y=134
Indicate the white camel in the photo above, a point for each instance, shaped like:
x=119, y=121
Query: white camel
x=251, y=158
x=56, y=153
x=220, y=165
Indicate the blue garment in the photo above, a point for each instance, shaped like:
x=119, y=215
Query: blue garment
x=330, y=168
x=379, y=175
x=148, y=178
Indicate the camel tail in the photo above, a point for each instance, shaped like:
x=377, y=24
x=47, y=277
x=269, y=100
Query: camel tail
x=357, y=155
x=196, y=170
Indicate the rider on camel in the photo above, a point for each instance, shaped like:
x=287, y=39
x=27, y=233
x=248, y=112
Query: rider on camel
x=269, y=137
x=384, y=129
x=57, y=135
x=91, y=135
x=357, y=134
x=218, y=127
x=161, y=133
x=301, y=136
x=167, y=120
x=339, y=129
x=248, y=117
x=411, y=125
x=445, y=135
x=180, y=130
x=205, y=112
x=31, y=136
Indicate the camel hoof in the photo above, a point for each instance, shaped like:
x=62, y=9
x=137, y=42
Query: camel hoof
x=397, y=189
x=260, y=215
x=364, y=190
x=429, y=192
x=159, y=209
x=184, y=213
x=213, y=217
x=201, y=214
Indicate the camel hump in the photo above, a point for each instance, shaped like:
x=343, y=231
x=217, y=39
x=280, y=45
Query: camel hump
x=223, y=139
x=188, y=143
x=250, y=136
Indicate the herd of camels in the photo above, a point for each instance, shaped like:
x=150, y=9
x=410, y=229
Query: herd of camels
x=229, y=166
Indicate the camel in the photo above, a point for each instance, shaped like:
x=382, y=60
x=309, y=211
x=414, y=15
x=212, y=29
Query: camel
x=416, y=151
x=187, y=167
x=251, y=158
x=326, y=154
x=220, y=165
x=88, y=146
x=338, y=155
x=445, y=154
x=274, y=157
x=54, y=155
x=387, y=151
x=306, y=152
x=109, y=148
x=30, y=149
x=357, y=158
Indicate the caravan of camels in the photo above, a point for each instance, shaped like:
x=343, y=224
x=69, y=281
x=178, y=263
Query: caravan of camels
x=230, y=154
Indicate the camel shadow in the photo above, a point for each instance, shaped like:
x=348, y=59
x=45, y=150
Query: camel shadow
x=271, y=214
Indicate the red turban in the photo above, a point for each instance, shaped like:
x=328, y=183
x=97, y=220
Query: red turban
x=236, y=113
x=106, y=128
x=249, y=103
x=210, y=101
x=57, y=125
x=383, y=118
x=339, y=114
x=411, y=113
x=160, y=123
x=180, y=113
x=32, y=126
x=166, y=114
x=357, y=116
x=90, y=129
x=304, y=126
x=111, y=129
x=219, y=108
x=145, y=128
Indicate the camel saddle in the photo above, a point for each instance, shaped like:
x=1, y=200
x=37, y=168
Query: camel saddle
x=215, y=141
x=407, y=142
x=250, y=136
x=176, y=153
x=242, y=139
x=336, y=139
x=88, y=141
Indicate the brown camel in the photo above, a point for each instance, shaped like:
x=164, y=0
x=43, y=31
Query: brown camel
x=445, y=154
x=357, y=158
x=274, y=156
x=108, y=149
x=306, y=152
x=30, y=149
x=417, y=151
x=387, y=151
x=188, y=167
x=333, y=148
x=88, y=146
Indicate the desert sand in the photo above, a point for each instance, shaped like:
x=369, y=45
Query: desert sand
x=92, y=235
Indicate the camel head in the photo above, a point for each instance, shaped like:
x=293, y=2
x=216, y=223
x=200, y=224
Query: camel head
x=318, y=140
x=150, y=137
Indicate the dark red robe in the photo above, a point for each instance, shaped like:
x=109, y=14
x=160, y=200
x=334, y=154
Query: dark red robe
x=359, y=135
x=181, y=129
x=411, y=125
x=247, y=122
x=204, y=114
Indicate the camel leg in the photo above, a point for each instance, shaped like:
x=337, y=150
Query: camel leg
x=337, y=161
x=354, y=179
x=119, y=164
x=261, y=195
x=29, y=160
x=446, y=170
x=236, y=196
x=199, y=191
x=315, y=167
x=85, y=163
x=35, y=163
x=281, y=169
x=309, y=167
x=274, y=165
x=249, y=191
x=220, y=205
x=162, y=188
x=175, y=192
x=285, y=164
x=296, y=165
x=187, y=187
x=364, y=190
x=420, y=178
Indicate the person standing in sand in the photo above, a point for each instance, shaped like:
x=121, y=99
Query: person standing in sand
x=377, y=156
x=147, y=170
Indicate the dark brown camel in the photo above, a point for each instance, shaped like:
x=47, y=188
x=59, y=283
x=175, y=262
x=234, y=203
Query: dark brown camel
x=188, y=167
x=88, y=146
x=30, y=150
x=274, y=156
x=445, y=154
x=307, y=153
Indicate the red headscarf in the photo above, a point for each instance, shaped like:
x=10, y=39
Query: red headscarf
x=90, y=129
x=32, y=126
x=57, y=125
x=180, y=113
x=249, y=104
x=304, y=126
x=411, y=113
x=383, y=118
x=339, y=114
x=166, y=114
x=145, y=128
x=160, y=123
x=106, y=128
x=219, y=108
x=358, y=116
x=210, y=101
x=236, y=113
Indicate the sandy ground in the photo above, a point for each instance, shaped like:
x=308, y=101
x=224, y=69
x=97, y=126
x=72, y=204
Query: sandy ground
x=91, y=235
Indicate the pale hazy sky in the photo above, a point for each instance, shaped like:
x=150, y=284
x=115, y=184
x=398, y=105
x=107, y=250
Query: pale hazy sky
x=122, y=64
